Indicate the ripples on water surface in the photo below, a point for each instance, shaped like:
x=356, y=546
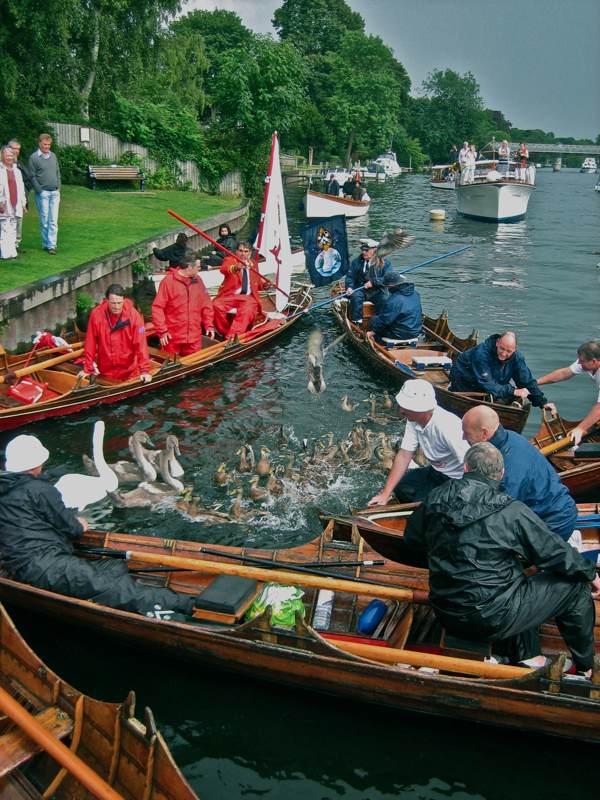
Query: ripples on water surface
x=239, y=738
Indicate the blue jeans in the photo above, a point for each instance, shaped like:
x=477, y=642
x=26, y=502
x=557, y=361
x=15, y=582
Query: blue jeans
x=47, y=205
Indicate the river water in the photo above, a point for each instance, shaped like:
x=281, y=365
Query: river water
x=240, y=738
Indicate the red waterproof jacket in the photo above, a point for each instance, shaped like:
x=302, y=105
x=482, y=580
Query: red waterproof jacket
x=117, y=344
x=233, y=279
x=182, y=308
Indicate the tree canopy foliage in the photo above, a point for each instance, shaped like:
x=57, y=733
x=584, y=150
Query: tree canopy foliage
x=205, y=87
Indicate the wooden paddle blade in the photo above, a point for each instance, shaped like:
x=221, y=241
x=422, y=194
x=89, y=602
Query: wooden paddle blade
x=396, y=239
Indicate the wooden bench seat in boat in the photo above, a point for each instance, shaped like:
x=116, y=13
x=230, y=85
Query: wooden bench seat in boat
x=477, y=650
x=16, y=747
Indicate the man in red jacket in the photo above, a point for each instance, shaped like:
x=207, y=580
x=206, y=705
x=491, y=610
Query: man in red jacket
x=115, y=341
x=239, y=290
x=183, y=309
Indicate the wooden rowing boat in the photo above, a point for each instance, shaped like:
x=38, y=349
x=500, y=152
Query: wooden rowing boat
x=384, y=666
x=581, y=476
x=382, y=527
x=403, y=363
x=125, y=755
x=67, y=394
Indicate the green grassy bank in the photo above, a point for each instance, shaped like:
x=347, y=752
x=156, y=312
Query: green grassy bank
x=94, y=223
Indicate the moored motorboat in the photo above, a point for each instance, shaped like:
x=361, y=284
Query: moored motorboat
x=579, y=473
x=493, y=196
x=328, y=647
x=442, y=176
x=431, y=359
x=589, y=165
x=319, y=204
x=107, y=746
x=389, y=163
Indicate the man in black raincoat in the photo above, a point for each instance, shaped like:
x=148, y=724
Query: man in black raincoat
x=37, y=537
x=478, y=540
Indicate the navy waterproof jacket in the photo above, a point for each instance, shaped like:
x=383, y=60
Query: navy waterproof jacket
x=480, y=370
x=400, y=315
x=529, y=477
x=360, y=272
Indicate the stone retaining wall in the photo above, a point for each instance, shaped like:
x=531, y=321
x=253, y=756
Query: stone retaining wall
x=50, y=302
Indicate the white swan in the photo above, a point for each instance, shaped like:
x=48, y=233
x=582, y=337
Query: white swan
x=79, y=491
x=147, y=494
x=142, y=469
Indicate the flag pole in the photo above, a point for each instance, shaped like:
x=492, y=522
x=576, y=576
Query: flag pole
x=224, y=249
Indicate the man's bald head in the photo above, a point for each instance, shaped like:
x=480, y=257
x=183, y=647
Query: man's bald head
x=506, y=345
x=479, y=424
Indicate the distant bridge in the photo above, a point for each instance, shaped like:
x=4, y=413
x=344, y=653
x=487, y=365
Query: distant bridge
x=558, y=149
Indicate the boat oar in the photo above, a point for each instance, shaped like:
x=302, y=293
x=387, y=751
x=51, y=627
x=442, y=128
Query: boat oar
x=47, y=351
x=390, y=655
x=56, y=749
x=266, y=570
x=225, y=250
x=404, y=272
x=51, y=362
x=436, y=258
x=561, y=444
x=319, y=580
x=312, y=568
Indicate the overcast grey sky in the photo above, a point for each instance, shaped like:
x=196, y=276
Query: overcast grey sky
x=537, y=61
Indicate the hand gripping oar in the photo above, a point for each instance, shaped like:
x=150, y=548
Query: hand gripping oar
x=225, y=250
x=96, y=785
x=362, y=288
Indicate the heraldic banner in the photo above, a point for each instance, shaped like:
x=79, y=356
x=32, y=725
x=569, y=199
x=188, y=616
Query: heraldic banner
x=326, y=249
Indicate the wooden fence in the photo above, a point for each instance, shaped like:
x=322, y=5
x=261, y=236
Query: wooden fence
x=108, y=146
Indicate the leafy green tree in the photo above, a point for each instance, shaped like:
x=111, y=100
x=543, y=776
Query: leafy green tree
x=176, y=73
x=261, y=88
x=450, y=112
x=364, y=93
x=315, y=26
x=221, y=32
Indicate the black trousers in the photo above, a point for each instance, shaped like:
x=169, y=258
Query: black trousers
x=106, y=582
x=417, y=483
x=540, y=598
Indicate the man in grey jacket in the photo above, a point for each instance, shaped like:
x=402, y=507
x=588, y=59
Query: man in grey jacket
x=45, y=177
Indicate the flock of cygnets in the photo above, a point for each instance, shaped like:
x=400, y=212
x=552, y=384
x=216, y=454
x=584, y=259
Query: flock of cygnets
x=305, y=467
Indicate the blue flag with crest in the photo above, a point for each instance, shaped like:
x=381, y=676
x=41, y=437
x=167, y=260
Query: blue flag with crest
x=326, y=249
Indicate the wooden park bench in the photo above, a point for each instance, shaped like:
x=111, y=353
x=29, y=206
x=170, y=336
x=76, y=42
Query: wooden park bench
x=115, y=172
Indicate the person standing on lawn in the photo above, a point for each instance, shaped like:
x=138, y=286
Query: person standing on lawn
x=45, y=177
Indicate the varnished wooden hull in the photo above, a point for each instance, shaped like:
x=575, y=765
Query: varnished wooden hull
x=438, y=337
x=581, y=476
x=132, y=757
x=71, y=397
x=302, y=658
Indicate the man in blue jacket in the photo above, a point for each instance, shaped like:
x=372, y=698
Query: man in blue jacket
x=399, y=316
x=499, y=369
x=364, y=279
x=528, y=476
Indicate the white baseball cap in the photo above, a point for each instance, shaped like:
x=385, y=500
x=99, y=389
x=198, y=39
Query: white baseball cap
x=24, y=453
x=368, y=243
x=417, y=395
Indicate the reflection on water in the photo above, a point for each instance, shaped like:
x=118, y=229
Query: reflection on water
x=239, y=738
